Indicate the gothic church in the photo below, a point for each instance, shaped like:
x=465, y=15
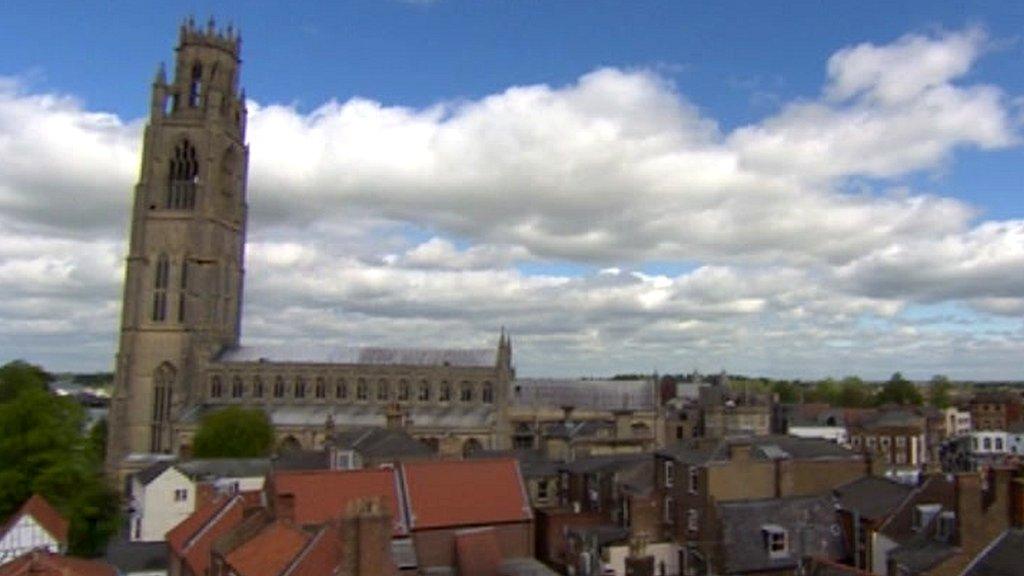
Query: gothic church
x=180, y=354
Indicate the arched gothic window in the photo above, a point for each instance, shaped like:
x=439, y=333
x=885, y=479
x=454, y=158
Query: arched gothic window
x=300, y=387
x=424, y=392
x=403, y=390
x=257, y=387
x=163, y=390
x=279, y=387
x=466, y=392
x=487, y=393
x=237, y=387
x=362, y=390
x=161, y=275
x=382, y=391
x=183, y=177
x=321, y=388
x=341, y=389
x=445, y=392
x=216, y=387
x=195, y=87
x=182, y=290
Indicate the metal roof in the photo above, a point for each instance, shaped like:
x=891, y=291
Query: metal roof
x=306, y=354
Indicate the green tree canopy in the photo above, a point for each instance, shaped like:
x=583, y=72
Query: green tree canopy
x=787, y=392
x=939, y=390
x=234, y=432
x=899, y=390
x=19, y=375
x=824, y=391
x=43, y=450
x=853, y=393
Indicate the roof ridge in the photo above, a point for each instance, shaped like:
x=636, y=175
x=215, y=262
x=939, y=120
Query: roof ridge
x=306, y=549
x=213, y=520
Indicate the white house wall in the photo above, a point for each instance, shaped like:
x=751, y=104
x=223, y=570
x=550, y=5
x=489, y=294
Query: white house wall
x=159, y=512
x=26, y=535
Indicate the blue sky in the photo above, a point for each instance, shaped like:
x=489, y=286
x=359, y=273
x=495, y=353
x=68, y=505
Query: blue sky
x=724, y=78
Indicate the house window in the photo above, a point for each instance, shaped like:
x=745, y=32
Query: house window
x=670, y=473
x=999, y=444
x=870, y=442
x=487, y=393
x=445, y=395
x=776, y=540
x=542, y=489
x=216, y=387
x=180, y=494
x=856, y=441
x=257, y=387
x=692, y=520
x=901, y=442
x=424, y=394
x=300, y=387
x=321, y=388
x=466, y=392
x=237, y=387
x=987, y=442
x=669, y=512
x=694, y=472
x=382, y=391
x=362, y=390
x=885, y=442
x=341, y=389
x=403, y=390
x=279, y=387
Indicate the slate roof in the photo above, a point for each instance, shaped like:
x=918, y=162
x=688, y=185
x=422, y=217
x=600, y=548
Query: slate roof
x=604, y=463
x=373, y=442
x=532, y=463
x=153, y=471
x=225, y=468
x=602, y=534
x=921, y=554
x=453, y=415
x=129, y=557
x=42, y=563
x=493, y=493
x=46, y=515
x=295, y=460
x=872, y=497
x=809, y=521
x=306, y=354
x=585, y=394
x=772, y=447
x=1003, y=557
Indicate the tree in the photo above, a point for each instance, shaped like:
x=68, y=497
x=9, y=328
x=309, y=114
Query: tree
x=825, y=391
x=234, y=432
x=939, y=392
x=44, y=451
x=787, y=392
x=899, y=390
x=853, y=393
x=19, y=375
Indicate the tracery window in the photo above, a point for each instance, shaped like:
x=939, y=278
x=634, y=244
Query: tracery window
x=237, y=387
x=424, y=393
x=279, y=387
x=161, y=275
x=466, y=392
x=341, y=389
x=216, y=387
x=321, y=388
x=300, y=387
x=382, y=391
x=195, y=87
x=182, y=178
x=362, y=390
x=487, y=393
x=403, y=390
x=445, y=393
x=182, y=290
x=257, y=387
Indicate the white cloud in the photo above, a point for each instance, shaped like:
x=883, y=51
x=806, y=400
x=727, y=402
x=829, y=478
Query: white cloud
x=383, y=224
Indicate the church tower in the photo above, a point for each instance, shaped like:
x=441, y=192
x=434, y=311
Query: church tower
x=183, y=281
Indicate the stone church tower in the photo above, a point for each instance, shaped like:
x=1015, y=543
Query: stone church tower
x=183, y=284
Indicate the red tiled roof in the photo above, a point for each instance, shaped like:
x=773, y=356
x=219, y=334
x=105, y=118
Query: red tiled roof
x=38, y=508
x=270, y=551
x=478, y=552
x=323, y=495
x=464, y=493
x=192, y=539
x=40, y=563
x=321, y=555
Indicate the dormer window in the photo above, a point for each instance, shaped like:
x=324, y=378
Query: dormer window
x=776, y=540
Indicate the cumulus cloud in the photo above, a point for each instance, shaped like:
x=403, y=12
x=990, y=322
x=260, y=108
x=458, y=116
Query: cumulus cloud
x=540, y=206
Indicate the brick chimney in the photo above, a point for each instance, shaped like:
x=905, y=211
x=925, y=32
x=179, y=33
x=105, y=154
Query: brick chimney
x=365, y=533
x=982, y=507
x=284, y=507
